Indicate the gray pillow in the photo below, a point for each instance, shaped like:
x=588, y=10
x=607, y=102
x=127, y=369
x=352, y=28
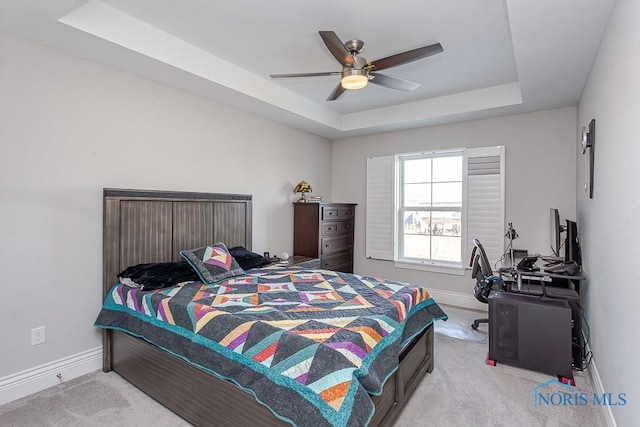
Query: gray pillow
x=212, y=262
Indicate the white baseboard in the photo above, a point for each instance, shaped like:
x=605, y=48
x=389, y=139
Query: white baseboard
x=21, y=384
x=458, y=299
x=598, y=388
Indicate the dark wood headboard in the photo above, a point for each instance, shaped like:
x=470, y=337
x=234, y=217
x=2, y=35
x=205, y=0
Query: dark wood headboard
x=153, y=226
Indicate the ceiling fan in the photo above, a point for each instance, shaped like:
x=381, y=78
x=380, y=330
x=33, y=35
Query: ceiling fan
x=357, y=72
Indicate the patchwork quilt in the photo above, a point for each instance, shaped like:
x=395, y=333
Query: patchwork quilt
x=311, y=345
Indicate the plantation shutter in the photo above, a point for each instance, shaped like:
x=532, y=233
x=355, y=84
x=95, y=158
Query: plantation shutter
x=486, y=200
x=380, y=206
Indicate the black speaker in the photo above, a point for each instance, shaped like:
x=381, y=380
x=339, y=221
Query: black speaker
x=530, y=332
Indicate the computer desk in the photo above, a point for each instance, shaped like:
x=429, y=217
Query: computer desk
x=552, y=285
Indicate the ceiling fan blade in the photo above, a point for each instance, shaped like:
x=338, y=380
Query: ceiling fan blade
x=339, y=90
x=282, y=76
x=337, y=48
x=405, y=57
x=393, y=83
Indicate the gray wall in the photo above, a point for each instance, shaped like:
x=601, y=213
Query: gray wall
x=608, y=224
x=540, y=174
x=68, y=128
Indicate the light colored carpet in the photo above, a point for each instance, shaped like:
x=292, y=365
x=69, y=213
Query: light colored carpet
x=459, y=325
x=461, y=391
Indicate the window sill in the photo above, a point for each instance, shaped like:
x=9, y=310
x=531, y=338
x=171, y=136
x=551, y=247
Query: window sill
x=431, y=267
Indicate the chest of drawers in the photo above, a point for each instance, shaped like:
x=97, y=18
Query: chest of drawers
x=325, y=231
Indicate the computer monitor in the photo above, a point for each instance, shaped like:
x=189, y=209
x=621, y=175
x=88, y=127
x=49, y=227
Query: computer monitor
x=556, y=230
x=572, y=244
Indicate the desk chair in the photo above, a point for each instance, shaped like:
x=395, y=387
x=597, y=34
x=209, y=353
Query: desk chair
x=486, y=281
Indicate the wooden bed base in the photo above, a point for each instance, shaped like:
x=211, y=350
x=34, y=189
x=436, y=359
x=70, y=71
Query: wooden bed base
x=151, y=226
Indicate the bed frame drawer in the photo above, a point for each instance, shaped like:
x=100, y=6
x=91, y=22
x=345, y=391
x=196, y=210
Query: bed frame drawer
x=386, y=401
x=415, y=361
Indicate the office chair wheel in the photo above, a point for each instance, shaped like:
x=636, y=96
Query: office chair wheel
x=475, y=325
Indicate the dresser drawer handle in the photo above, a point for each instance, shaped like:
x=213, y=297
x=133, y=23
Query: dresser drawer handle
x=327, y=245
x=329, y=228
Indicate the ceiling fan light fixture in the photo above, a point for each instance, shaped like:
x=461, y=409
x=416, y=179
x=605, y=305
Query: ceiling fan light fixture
x=354, y=79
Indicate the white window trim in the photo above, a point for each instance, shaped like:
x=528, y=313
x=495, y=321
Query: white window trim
x=429, y=265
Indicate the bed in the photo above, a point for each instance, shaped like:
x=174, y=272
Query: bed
x=213, y=388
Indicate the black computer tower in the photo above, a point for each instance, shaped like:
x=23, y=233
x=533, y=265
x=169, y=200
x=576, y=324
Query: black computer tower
x=530, y=332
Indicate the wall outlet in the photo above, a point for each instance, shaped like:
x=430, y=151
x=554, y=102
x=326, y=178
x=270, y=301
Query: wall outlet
x=37, y=335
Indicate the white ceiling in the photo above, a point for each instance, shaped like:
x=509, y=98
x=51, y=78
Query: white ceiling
x=500, y=56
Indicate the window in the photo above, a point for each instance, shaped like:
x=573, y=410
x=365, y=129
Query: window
x=430, y=207
x=423, y=210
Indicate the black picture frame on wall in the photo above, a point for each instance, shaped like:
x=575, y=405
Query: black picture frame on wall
x=591, y=145
x=588, y=144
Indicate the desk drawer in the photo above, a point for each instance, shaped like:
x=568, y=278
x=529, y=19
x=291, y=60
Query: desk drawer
x=334, y=228
x=335, y=244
